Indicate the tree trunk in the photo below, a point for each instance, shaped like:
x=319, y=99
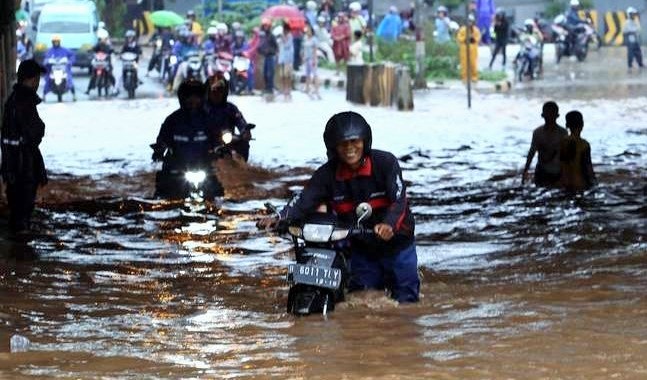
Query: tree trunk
x=7, y=49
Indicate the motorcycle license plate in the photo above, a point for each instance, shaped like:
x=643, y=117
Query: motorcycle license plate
x=313, y=275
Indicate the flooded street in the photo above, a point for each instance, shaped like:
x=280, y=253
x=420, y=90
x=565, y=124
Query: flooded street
x=518, y=282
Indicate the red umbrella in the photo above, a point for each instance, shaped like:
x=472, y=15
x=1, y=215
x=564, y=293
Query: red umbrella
x=293, y=15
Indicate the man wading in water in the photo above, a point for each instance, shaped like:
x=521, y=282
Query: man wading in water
x=546, y=142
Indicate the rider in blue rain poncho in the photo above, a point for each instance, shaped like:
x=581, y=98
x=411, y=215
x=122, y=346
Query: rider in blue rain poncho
x=57, y=51
x=390, y=27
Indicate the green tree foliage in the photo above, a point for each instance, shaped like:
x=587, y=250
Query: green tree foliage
x=441, y=59
x=556, y=7
x=248, y=14
x=113, y=13
x=452, y=5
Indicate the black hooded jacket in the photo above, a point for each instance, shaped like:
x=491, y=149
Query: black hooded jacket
x=378, y=181
x=21, y=134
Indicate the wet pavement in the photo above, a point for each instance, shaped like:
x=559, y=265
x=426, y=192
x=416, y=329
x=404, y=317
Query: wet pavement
x=518, y=282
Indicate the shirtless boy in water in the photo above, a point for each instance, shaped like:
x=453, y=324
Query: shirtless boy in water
x=546, y=142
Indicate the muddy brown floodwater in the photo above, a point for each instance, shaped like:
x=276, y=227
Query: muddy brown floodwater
x=518, y=282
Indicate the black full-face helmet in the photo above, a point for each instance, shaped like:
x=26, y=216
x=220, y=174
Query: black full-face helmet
x=189, y=88
x=346, y=126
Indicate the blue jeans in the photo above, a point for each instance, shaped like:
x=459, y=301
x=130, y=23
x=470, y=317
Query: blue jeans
x=250, y=77
x=268, y=73
x=398, y=272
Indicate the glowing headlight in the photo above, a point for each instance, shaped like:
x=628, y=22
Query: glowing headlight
x=338, y=235
x=158, y=43
x=317, y=233
x=195, y=177
x=227, y=137
x=173, y=60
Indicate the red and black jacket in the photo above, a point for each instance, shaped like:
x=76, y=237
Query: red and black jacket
x=378, y=181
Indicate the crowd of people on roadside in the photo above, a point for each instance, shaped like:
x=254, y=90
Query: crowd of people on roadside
x=289, y=45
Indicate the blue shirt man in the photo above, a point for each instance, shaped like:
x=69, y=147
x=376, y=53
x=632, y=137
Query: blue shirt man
x=391, y=26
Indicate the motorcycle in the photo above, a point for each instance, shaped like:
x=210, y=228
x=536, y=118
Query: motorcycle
x=209, y=65
x=240, y=68
x=196, y=180
x=319, y=278
x=189, y=66
x=572, y=42
x=528, y=63
x=224, y=62
x=101, y=71
x=193, y=68
x=58, y=76
x=129, y=73
x=162, y=54
x=170, y=65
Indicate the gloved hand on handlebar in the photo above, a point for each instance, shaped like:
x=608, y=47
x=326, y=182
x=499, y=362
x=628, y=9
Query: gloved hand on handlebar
x=272, y=223
x=157, y=156
x=158, y=152
x=268, y=223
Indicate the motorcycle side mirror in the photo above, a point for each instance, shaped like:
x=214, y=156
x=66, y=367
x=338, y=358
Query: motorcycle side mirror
x=251, y=126
x=363, y=211
x=271, y=208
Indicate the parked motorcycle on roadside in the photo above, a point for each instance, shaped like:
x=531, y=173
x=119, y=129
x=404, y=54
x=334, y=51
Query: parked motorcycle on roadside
x=320, y=276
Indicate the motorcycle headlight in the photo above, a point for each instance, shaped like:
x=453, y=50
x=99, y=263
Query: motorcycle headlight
x=227, y=137
x=173, y=60
x=195, y=177
x=158, y=43
x=317, y=233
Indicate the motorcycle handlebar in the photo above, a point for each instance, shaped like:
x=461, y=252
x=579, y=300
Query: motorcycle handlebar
x=361, y=231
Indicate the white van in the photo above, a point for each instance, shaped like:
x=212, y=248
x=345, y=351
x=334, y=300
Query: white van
x=75, y=21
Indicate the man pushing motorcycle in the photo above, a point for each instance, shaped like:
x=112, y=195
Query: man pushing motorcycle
x=356, y=173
